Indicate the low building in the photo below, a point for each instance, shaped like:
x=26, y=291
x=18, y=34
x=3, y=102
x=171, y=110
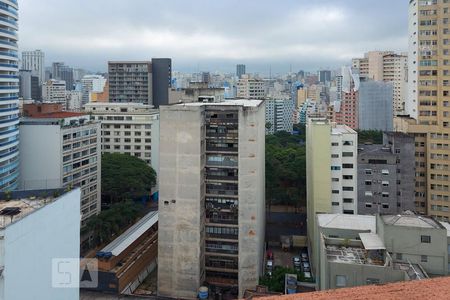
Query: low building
x=386, y=175
x=128, y=128
x=36, y=227
x=130, y=258
x=62, y=149
x=353, y=250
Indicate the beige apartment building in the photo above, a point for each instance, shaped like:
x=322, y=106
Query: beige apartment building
x=428, y=103
x=251, y=88
x=386, y=66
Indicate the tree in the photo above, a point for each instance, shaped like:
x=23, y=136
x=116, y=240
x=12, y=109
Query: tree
x=370, y=136
x=275, y=283
x=125, y=177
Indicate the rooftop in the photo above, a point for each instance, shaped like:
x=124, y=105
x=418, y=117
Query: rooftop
x=131, y=234
x=411, y=220
x=15, y=206
x=342, y=129
x=236, y=102
x=447, y=226
x=437, y=289
x=58, y=115
x=371, y=241
x=350, y=222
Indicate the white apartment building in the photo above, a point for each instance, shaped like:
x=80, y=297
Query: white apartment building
x=91, y=83
x=54, y=91
x=344, y=170
x=62, y=149
x=251, y=88
x=128, y=128
x=34, y=61
x=212, y=202
x=74, y=100
x=279, y=115
x=37, y=227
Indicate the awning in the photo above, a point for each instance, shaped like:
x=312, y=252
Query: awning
x=372, y=241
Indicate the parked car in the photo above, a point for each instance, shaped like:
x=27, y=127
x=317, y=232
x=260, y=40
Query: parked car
x=296, y=261
x=269, y=267
x=306, y=267
x=304, y=256
x=307, y=275
x=269, y=255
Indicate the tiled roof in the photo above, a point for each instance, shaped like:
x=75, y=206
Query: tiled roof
x=436, y=289
x=58, y=115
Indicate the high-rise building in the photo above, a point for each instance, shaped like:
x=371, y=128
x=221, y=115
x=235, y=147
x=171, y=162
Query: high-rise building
x=390, y=67
x=386, y=175
x=324, y=76
x=375, y=106
x=54, y=91
x=35, y=62
x=212, y=202
x=9, y=96
x=91, y=84
x=251, y=88
x=128, y=128
x=240, y=70
x=428, y=104
x=130, y=81
x=161, y=80
x=29, y=86
x=345, y=112
x=61, y=150
x=279, y=115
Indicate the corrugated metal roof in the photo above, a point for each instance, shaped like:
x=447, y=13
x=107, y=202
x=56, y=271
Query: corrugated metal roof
x=133, y=233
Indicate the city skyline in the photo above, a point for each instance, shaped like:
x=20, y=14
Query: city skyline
x=213, y=36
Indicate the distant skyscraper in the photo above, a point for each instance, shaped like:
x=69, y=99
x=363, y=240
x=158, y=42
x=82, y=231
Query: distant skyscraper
x=161, y=80
x=240, y=70
x=375, y=106
x=324, y=76
x=206, y=77
x=9, y=93
x=130, y=81
x=62, y=72
x=35, y=62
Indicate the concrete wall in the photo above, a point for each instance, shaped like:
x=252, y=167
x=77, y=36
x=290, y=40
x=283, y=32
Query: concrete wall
x=29, y=245
x=318, y=171
x=39, y=145
x=181, y=202
x=251, y=196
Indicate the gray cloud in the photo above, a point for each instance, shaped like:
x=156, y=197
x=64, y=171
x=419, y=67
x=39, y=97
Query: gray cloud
x=213, y=34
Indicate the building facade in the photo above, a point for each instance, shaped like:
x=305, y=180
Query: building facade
x=386, y=176
x=212, y=203
x=9, y=96
x=375, y=106
x=240, y=70
x=54, y=91
x=428, y=104
x=91, y=84
x=251, y=88
x=279, y=115
x=35, y=62
x=128, y=128
x=161, y=80
x=130, y=81
x=62, y=149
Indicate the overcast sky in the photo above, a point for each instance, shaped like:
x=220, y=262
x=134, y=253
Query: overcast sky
x=213, y=34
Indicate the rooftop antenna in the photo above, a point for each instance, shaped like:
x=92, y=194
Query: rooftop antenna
x=270, y=71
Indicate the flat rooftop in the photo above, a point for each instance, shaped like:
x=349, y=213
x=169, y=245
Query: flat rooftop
x=236, y=102
x=22, y=204
x=350, y=255
x=131, y=234
x=342, y=129
x=350, y=222
x=411, y=220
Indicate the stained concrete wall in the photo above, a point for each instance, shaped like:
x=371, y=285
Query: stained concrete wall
x=181, y=202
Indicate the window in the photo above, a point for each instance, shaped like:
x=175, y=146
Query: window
x=334, y=155
x=385, y=183
x=334, y=144
x=368, y=193
x=348, y=200
x=335, y=191
x=335, y=203
x=348, y=188
x=348, y=143
x=347, y=154
x=347, y=177
x=368, y=205
x=385, y=172
x=385, y=205
x=423, y=258
x=385, y=194
x=425, y=239
x=348, y=212
x=368, y=171
x=341, y=280
x=368, y=182
x=335, y=168
x=347, y=166
x=335, y=179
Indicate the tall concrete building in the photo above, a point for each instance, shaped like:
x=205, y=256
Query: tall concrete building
x=375, y=106
x=212, y=199
x=130, y=81
x=9, y=96
x=428, y=103
x=61, y=150
x=35, y=62
x=251, y=88
x=60, y=71
x=324, y=76
x=161, y=80
x=386, y=175
x=240, y=70
x=54, y=91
